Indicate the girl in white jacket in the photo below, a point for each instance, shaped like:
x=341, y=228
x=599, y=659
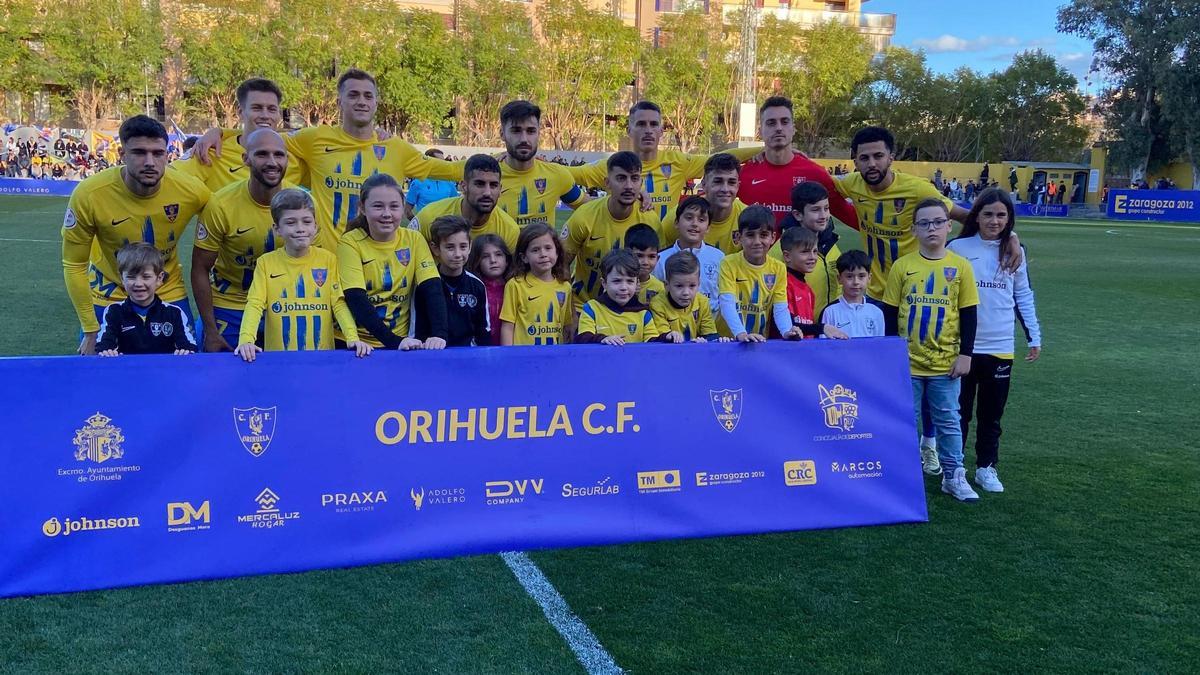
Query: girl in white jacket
x=1004, y=298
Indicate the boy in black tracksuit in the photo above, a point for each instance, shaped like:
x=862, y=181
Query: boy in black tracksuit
x=465, y=295
x=143, y=323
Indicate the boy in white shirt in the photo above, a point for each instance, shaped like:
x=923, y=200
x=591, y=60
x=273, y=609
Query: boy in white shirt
x=851, y=312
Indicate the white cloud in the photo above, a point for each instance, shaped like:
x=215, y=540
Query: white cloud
x=953, y=43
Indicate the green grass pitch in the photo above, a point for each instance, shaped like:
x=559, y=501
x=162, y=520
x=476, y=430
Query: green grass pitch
x=1089, y=562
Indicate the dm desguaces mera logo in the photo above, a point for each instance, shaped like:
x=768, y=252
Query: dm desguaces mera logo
x=839, y=407
x=99, y=452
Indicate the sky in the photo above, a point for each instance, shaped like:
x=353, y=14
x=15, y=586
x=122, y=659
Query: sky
x=984, y=37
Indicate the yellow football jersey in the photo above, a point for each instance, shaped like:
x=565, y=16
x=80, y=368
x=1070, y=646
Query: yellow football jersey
x=634, y=326
x=720, y=233
x=531, y=196
x=238, y=230
x=755, y=288
x=590, y=234
x=650, y=289
x=929, y=294
x=103, y=215
x=823, y=280
x=301, y=298
x=885, y=220
x=228, y=166
x=539, y=311
x=337, y=163
x=665, y=176
x=389, y=271
x=693, y=321
x=498, y=222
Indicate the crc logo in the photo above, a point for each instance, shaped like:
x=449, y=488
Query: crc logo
x=659, y=481
x=840, y=405
x=183, y=513
x=512, y=491
x=800, y=472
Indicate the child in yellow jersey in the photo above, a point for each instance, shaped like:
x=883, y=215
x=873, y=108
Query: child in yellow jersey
x=930, y=298
x=299, y=284
x=752, y=285
x=642, y=241
x=538, y=307
x=616, y=317
x=683, y=313
x=384, y=267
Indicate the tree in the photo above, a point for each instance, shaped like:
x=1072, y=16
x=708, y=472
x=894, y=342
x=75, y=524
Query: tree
x=419, y=68
x=587, y=60
x=690, y=73
x=820, y=69
x=899, y=83
x=498, y=47
x=1135, y=42
x=954, y=113
x=1036, y=110
x=1181, y=92
x=21, y=65
x=107, y=66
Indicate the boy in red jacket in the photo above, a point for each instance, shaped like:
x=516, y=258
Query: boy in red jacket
x=799, y=248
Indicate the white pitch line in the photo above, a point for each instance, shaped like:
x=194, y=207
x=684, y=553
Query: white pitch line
x=1131, y=225
x=35, y=241
x=588, y=650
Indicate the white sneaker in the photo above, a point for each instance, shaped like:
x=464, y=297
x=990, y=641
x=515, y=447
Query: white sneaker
x=929, y=460
x=957, y=486
x=988, y=479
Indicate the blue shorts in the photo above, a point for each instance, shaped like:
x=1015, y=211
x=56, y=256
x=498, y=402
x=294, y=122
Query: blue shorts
x=197, y=326
x=229, y=323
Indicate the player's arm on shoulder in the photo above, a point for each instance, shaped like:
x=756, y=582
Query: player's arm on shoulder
x=742, y=154
x=589, y=175
x=210, y=143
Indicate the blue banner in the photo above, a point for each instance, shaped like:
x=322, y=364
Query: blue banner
x=1170, y=205
x=150, y=469
x=1026, y=210
x=32, y=186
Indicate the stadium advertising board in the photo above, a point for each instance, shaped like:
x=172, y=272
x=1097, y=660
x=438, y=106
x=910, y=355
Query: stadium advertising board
x=1169, y=205
x=149, y=469
x=32, y=186
x=1027, y=210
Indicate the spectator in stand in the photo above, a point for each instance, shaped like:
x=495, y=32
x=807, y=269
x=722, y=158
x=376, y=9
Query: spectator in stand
x=937, y=179
x=984, y=175
x=955, y=189
x=1051, y=191
x=1062, y=191
x=970, y=190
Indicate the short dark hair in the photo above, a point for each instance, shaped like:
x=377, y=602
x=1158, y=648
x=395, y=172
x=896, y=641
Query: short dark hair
x=693, y=202
x=354, y=74
x=644, y=105
x=444, y=227
x=641, y=237
x=480, y=162
x=776, y=102
x=853, y=259
x=625, y=160
x=722, y=161
x=257, y=84
x=683, y=262
x=142, y=126
x=795, y=237
x=621, y=260
x=756, y=218
x=138, y=256
x=872, y=135
x=808, y=192
x=434, y=152
x=515, y=111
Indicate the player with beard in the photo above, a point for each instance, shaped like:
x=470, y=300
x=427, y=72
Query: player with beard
x=259, y=106
x=234, y=230
x=530, y=189
x=769, y=177
x=665, y=172
x=137, y=201
x=477, y=205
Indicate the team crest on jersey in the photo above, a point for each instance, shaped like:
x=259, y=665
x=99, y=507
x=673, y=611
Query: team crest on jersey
x=666, y=169
x=769, y=280
x=796, y=180
x=840, y=405
x=320, y=275
x=172, y=211
x=404, y=255
x=380, y=151
x=950, y=273
x=540, y=185
x=562, y=298
x=899, y=204
x=255, y=427
x=631, y=327
x=727, y=406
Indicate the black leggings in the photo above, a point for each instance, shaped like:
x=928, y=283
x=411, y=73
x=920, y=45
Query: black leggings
x=987, y=384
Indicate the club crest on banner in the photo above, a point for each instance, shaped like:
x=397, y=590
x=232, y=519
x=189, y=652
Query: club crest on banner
x=727, y=406
x=98, y=441
x=840, y=406
x=255, y=428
